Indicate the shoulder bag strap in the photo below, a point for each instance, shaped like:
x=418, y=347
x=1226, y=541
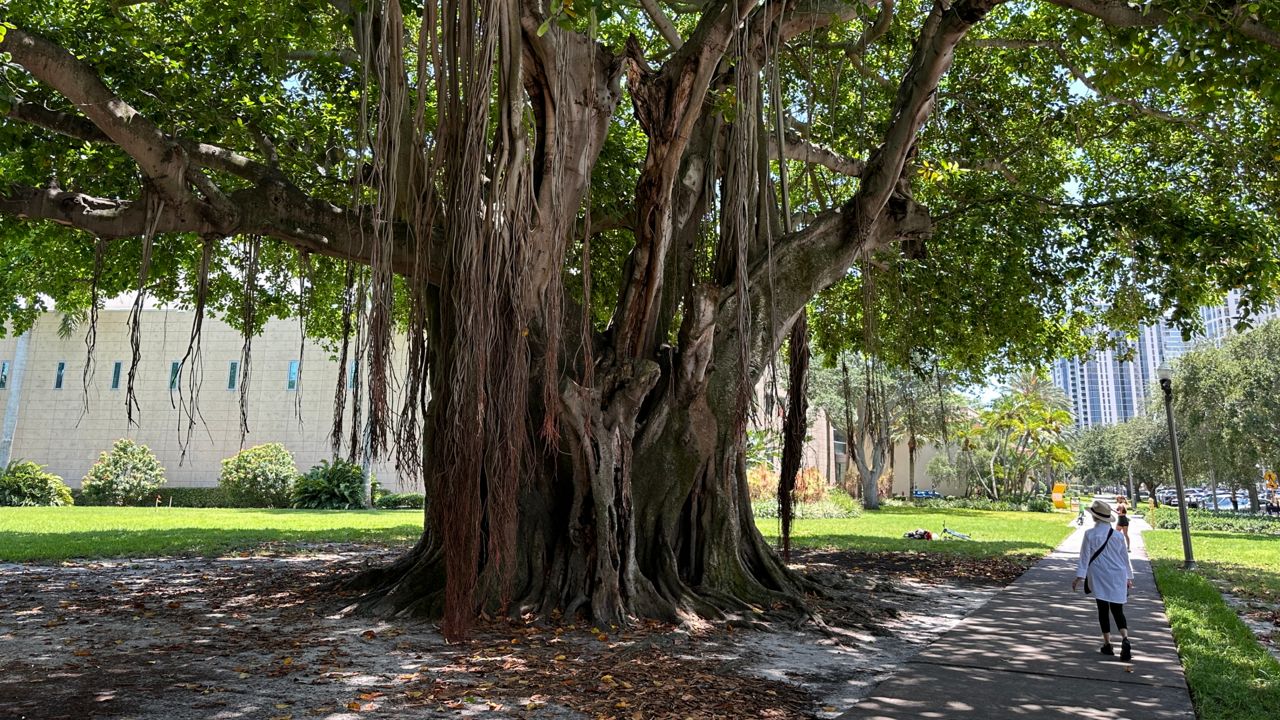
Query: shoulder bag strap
x=1101, y=547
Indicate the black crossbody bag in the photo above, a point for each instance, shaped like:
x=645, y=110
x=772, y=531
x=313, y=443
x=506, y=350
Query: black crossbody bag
x=1088, y=590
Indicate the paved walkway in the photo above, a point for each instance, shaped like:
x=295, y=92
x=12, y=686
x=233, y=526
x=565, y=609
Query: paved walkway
x=1032, y=652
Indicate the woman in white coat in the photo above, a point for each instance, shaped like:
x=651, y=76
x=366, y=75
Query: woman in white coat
x=1104, y=560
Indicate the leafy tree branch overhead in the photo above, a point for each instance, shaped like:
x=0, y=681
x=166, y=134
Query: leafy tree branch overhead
x=595, y=220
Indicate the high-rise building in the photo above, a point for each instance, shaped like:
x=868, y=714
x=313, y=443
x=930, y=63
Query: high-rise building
x=1111, y=385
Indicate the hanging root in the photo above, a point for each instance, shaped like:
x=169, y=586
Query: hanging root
x=191, y=367
x=91, y=333
x=155, y=207
x=248, y=319
x=345, y=370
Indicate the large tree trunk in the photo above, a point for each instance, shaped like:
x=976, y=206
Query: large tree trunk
x=642, y=510
x=911, y=467
x=573, y=470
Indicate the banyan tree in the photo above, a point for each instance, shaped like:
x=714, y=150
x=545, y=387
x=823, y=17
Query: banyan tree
x=595, y=223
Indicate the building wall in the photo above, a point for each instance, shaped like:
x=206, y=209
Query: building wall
x=58, y=428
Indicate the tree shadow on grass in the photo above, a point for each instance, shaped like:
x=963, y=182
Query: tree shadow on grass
x=18, y=546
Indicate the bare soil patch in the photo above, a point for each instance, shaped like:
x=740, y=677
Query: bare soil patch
x=260, y=636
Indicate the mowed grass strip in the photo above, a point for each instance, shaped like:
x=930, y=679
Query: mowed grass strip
x=30, y=534
x=994, y=533
x=1231, y=676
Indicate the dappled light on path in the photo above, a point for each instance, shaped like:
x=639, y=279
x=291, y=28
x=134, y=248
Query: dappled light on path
x=1032, y=652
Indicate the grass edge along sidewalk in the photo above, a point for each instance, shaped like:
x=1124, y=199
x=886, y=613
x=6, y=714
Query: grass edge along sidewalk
x=1230, y=674
x=50, y=534
x=994, y=532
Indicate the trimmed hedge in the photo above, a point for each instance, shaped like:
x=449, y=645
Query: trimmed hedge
x=197, y=497
x=192, y=497
x=1166, y=518
x=400, y=501
x=1030, y=504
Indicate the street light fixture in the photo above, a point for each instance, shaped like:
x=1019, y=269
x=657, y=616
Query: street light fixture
x=1165, y=373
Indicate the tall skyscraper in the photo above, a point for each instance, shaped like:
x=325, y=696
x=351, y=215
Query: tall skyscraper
x=1110, y=386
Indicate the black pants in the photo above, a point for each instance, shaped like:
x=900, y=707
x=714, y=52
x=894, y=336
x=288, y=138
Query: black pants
x=1116, y=609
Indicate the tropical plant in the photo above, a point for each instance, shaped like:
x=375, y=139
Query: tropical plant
x=1019, y=444
x=23, y=482
x=334, y=485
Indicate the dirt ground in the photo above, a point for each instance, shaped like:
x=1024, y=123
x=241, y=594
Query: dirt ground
x=259, y=636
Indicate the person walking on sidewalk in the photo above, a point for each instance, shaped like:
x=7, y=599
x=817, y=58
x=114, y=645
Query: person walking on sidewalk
x=1122, y=518
x=1107, y=574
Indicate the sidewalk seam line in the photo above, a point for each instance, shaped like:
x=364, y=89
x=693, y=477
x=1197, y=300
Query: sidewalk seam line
x=1046, y=675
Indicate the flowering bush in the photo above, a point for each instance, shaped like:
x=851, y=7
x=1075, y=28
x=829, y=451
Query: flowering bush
x=123, y=475
x=260, y=476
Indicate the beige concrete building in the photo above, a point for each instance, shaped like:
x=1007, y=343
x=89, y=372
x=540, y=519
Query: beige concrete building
x=827, y=450
x=50, y=419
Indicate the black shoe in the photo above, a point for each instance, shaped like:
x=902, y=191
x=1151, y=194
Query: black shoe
x=1126, y=653
x=1106, y=650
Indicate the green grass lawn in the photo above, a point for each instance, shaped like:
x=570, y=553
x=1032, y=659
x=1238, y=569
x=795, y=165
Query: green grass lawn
x=1232, y=677
x=993, y=533
x=59, y=533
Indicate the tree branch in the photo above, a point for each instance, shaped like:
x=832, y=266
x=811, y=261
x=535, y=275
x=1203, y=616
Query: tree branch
x=1120, y=13
x=664, y=25
x=102, y=217
x=796, y=148
x=276, y=211
x=345, y=56
x=881, y=211
x=814, y=14
x=80, y=128
x=160, y=159
x=73, y=126
x=884, y=19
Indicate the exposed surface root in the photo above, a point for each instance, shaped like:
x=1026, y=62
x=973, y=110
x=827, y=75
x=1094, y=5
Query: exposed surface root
x=263, y=636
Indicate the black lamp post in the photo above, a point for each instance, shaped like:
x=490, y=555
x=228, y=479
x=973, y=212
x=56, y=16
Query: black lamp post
x=1165, y=373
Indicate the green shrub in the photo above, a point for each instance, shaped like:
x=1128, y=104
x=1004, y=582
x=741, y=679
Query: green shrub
x=337, y=485
x=197, y=497
x=392, y=501
x=1033, y=503
x=1166, y=518
x=823, y=509
x=260, y=476
x=123, y=475
x=23, y=482
x=192, y=497
x=845, y=502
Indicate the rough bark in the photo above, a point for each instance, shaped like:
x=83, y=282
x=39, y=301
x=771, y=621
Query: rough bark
x=632, y=499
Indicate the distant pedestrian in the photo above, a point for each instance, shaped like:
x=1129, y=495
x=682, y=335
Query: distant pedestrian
x=1107, y=574
x=1122, y=518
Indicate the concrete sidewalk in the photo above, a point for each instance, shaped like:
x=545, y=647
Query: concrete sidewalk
x=1032, y=652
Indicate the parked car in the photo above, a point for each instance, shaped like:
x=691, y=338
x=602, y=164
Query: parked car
x=1242, y=503
x=925, y=494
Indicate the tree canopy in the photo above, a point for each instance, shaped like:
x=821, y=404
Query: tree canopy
x=593, y=220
